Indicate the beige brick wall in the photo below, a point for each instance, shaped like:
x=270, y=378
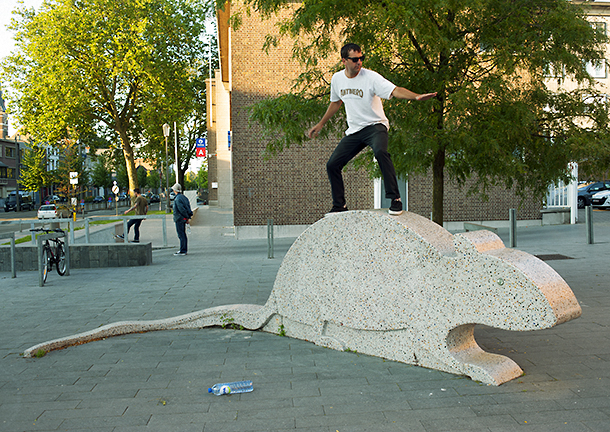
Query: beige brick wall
x=460, y=207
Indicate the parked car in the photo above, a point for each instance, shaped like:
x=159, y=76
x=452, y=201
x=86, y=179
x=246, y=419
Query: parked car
x=586, y=192
x=99, y=199
x=53, y=211
x=25, y=202
x=601, y=199
x=154, y=198
x=51, y=199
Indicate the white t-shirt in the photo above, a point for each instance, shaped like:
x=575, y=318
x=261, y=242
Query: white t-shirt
x=362, y=98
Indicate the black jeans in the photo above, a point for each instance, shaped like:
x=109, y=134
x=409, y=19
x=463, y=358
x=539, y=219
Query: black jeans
x=374, y=136
x=136, y=228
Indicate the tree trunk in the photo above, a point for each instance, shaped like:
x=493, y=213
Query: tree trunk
x=438, y=186
x=132, y=175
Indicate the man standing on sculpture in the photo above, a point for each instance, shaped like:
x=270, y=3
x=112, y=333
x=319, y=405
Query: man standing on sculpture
x=361, y=90
x=182, y=216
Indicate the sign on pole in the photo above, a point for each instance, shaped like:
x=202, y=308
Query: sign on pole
x=73, y=177
x=200, y=147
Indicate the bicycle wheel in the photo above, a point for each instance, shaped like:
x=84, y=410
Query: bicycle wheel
x=47, y=265
x=60, y=256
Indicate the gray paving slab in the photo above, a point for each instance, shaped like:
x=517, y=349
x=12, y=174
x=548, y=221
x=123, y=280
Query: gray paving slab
x=158, y=381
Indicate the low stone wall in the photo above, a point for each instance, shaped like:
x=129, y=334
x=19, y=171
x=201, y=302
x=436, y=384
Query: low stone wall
x=82, y=256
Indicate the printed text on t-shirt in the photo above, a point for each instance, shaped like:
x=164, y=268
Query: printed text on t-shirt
x=357, y=92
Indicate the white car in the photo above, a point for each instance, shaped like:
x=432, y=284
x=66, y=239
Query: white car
x=53, y=211
x=601, y=199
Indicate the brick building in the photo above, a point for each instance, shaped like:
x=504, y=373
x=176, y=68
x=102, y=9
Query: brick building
x=293, y=188
x=9, y=155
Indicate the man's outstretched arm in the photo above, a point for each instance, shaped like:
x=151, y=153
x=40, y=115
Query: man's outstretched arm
x=403, y=93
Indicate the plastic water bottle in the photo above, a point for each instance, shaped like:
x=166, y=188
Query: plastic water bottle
x=188, y=228
x=231, y=388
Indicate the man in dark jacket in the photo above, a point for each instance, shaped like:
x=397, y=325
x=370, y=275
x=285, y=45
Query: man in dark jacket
x=182, y=216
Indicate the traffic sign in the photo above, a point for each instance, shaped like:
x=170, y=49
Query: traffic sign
x=200, y=151
x=200, y=142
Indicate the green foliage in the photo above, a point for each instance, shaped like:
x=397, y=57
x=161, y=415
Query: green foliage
x=495, y=118
x=34, y=175
x=101, y=175
x=72, y=160
x=88, y=66
x=142, y=177
x=152, y=179
x=202, y=178
x=229, y=322
x=283, y=119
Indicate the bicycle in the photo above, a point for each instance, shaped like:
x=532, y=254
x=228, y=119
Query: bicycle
x=53, y=254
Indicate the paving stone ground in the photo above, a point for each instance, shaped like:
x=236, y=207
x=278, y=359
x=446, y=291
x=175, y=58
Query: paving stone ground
x=158, y=381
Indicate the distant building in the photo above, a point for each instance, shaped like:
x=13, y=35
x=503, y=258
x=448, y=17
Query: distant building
x=9, y=155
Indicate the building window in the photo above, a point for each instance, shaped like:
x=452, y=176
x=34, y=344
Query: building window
x=9, y=152
x=7, y=173
x=597, y=71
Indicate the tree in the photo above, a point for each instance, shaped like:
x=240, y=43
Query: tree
x=182, y=101
x=495, y=117
x=83, y=65
x=34, y=174
x=153, y=180
x=72, y=160
x=142, y=175
x=202, y=178
x=101, y=175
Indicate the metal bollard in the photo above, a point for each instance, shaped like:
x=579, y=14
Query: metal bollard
x=269, y=238
x=589, y=224
x=512, y=230
x=164, y=230
x=125, y=236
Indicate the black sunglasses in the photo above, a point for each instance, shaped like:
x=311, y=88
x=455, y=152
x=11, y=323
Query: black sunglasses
x=355, y=59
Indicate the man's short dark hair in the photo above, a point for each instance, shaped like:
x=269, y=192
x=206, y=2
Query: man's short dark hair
x=349, y=47
x=136, y=190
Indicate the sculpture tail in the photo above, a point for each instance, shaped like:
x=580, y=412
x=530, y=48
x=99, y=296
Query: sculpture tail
x=251, y=317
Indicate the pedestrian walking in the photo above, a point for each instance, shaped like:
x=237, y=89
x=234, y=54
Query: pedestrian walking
x=141, y=208
x=182, y=217
x=361, y=90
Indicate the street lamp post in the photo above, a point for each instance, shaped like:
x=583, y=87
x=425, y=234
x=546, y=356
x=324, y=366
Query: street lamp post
x=166, y=134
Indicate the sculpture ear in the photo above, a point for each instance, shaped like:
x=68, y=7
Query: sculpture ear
x=477, y=242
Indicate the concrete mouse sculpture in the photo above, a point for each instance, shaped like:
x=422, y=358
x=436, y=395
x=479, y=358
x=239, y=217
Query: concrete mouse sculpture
x=401, y=288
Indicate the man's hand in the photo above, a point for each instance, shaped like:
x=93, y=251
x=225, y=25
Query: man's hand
x=314, y=131
x=333, y=107
x=425, y=97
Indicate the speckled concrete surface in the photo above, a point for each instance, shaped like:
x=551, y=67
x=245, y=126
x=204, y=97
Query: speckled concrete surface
x=401, y=288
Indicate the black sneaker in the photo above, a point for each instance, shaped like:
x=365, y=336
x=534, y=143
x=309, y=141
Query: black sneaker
x=121, y=236
x=396, y=207
x=336, y=209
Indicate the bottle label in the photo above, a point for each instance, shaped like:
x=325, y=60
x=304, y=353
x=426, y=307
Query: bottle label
x=225, y=390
